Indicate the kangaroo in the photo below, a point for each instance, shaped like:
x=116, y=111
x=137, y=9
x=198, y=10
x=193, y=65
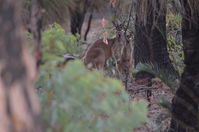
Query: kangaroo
x=99, y=52
x=126, y=60
x=125, y=63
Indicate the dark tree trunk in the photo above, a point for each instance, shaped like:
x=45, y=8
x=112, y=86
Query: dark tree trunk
x=150, y=36
x=77, y=16
x=36, y=26
x=19, y=107
x=185, y=114
x=76, y=20
x=150, y=39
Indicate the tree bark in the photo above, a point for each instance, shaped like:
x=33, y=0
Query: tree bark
x=19, y=106
x=76, y=20
x=185, y=113
x=36, y=26
x=77, y=17
x=150, y=37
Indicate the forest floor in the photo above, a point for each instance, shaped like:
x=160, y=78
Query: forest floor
x=159, y=117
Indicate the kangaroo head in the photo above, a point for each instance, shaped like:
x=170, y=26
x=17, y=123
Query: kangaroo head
x=120, y=38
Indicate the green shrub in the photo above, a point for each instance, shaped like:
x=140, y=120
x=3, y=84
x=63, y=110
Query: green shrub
x=55, y=43
x=74, y=99
x=54, y=40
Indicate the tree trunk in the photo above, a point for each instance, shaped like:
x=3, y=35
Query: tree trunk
x=185, y=113
x=19, y=106
x=76, y=20
x=36, y=26
x=150, y=36
x=77, y=16
x=88, y=26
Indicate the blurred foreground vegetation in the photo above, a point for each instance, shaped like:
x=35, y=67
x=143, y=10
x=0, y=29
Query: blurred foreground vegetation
x=74, y=99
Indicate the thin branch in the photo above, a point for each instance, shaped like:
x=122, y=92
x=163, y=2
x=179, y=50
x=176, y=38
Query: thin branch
x=88, y=26
x=129, y=18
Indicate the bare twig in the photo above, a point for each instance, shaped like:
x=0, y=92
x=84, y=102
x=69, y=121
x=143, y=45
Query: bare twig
x=129, y=17
x=88, y=26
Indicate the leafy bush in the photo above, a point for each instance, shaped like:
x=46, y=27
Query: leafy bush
x=55, y=43
x=75, y=99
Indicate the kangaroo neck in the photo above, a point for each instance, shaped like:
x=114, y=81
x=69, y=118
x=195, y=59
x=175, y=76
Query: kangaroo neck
x=112, y=41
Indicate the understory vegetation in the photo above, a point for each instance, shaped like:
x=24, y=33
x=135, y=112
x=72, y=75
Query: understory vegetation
x=74, y=98
x=86, y=100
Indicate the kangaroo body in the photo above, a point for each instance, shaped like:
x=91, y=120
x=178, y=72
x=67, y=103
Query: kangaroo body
x=99, y=52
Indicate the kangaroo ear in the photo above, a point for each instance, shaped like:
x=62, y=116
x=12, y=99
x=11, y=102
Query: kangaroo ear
x=123, y=23
x=115, y=23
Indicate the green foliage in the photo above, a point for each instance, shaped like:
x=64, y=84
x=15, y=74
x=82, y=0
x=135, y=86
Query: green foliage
x=55, y=43
x=174, y=22
x=165, y=75
x=75, y=99
x=174, y=38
